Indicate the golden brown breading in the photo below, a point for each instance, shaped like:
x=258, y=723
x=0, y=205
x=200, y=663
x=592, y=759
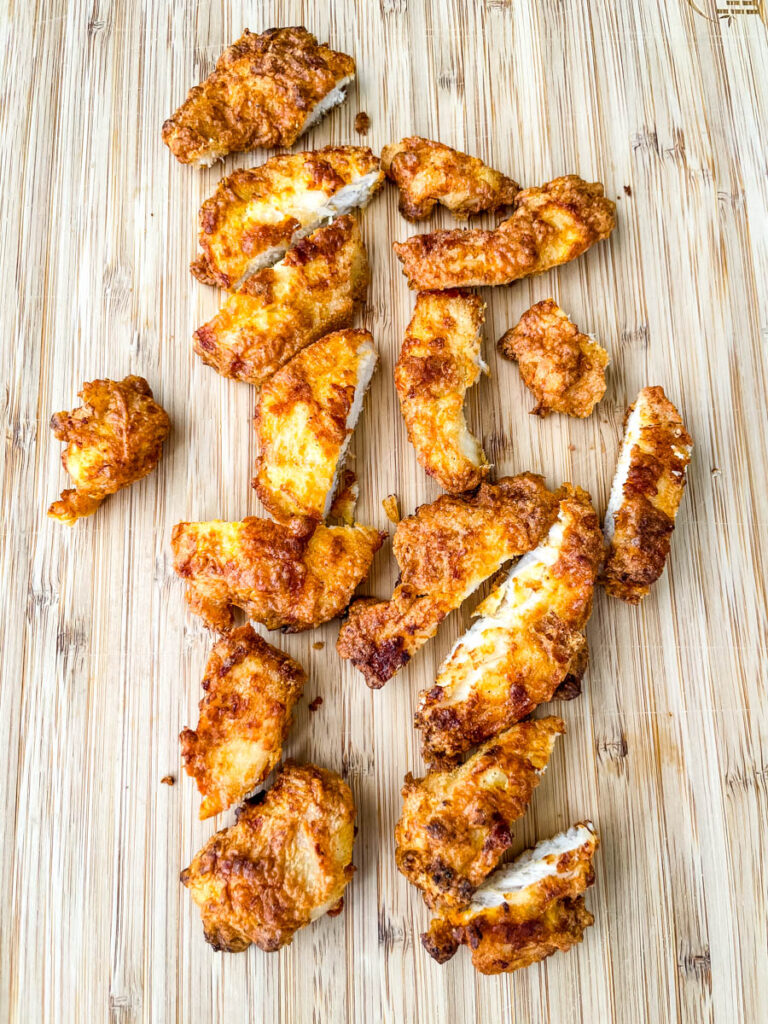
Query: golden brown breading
x=646, y=494
x=250, y=690
x=256, y=215
x=304, y=420
x=526, y=910
x=439, y=361
x=266, y=91
x=429, y=172
x=284, y=864
x=317, y=288
x=563, y=368
x=292, y=576
x=113, y=439
x=550, y=225
x=527, y=638
x=444, y=551
x=454, y=826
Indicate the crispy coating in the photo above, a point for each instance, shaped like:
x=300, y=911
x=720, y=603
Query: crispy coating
x=265, y=92
x=250, y=690
x=646, y=494
x=304, y=420
x=289, y=577
x=550, y=225
x=317, y=288
x=564, y=368
x=454, y=826
x=526, y=910
x=439, y=361
x=445, y=551
x=528, y=637
x=429, y=172
x=114, y=438
x=284, y=864
x=256, y=215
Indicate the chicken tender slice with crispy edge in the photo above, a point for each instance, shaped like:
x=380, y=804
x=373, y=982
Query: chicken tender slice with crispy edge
x=528, y=636
x=429, y=172
x=290, y=577
x=317, y=288
x=445, y=551
x=645, y=496
x=256, y=215
x=304, y=421
x=564, y=368
x=283, y=865
x=439, y=361
x=454, y=826
x=113, y=439
x=526, y=910
x=250, y=690
x=550, y=225
x=266, y=91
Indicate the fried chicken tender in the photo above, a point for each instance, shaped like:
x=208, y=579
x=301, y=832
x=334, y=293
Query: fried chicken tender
x=256, y=215
x=317, y=288
x=290, y=577
x=113, y=439
x=564, y=368
x=304, y=421
x=550, y=225
x=266, y=91
x=250, y=690
x=455, y=825
x=528, y=637
x=284, y=864
x=645, y=496
x=428, y=172
x=439, y=361
x=526, y=910
x=445, y=551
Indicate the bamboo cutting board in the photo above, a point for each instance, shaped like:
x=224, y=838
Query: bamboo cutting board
x=666, y=101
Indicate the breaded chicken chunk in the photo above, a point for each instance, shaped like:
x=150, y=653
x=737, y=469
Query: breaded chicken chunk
x=250, y=690
x=550, y=225
x=113, y=439
x=256, y=215
x=304, y=420
x=564, y=368
x=439, y=361
x=526, y=910
x=527, y=638
x=645, y=496
x=455, y=824
x=317, y=288
x=428, y=172
x=266, y=91
x=290, y=577
x=285, y=863
x=445, y=551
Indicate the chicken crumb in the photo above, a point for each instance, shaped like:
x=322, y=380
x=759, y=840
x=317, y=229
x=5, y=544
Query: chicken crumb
x=318, y=645
x=391, y=508
x=168, y=780
x=627, y=190
x=362, y=122
x=315, y=704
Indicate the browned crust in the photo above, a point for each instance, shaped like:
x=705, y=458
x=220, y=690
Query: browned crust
x=653, y=491
x=551, y=225
x=260, y=95
x=564, y=368
x=444, y=551
x=115, y=438
x=427, y=173
x=455, y=825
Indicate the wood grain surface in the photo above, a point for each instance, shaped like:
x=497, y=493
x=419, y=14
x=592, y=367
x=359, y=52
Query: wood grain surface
x=666, y=101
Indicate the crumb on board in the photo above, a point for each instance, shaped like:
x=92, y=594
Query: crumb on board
x=716, y=471
x=390, y=504
x=571, y=447
x=627, y=190
x=315, y=704
x=168, y=780
x=318, y=645
x=362, y=122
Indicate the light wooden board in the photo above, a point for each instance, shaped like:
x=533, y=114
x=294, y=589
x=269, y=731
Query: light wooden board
x=667, y=748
